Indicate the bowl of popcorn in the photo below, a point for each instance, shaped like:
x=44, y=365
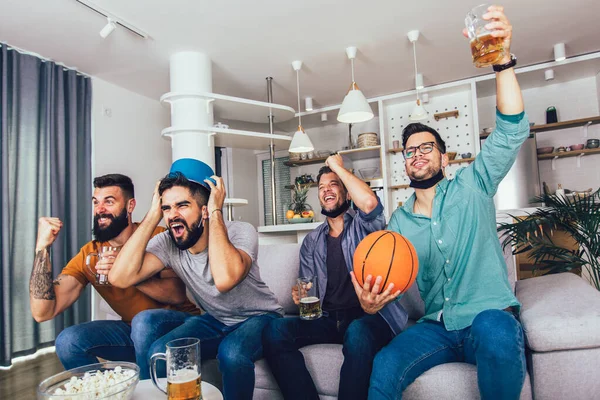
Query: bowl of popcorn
x=115, y=380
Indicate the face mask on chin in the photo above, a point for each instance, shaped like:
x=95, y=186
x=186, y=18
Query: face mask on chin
x=336, y=211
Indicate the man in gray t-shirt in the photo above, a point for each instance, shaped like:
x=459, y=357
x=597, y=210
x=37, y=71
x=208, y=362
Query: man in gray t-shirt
x=237, y=302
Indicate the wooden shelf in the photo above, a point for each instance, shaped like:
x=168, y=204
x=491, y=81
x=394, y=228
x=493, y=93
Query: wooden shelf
x=298, y=163
x=314, y=184
x=399, y=187
x=461, y=160
x=568, y=154
x=354, y=154
x=398, y=150
x=361, y=153
x=558, y=125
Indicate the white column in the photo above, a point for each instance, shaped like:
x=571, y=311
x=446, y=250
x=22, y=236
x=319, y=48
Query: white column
x=192, y=72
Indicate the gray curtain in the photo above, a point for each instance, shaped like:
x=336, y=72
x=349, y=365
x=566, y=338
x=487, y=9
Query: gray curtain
x=45, y=170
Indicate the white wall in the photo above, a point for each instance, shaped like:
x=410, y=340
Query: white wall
x=575, y=99
x=243, y=184
x=128, y=140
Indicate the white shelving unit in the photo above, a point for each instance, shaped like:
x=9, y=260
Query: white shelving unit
x=225, y=137
x=236, y=108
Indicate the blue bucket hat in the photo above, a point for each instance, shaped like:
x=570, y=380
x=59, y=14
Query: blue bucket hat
x=194, y=170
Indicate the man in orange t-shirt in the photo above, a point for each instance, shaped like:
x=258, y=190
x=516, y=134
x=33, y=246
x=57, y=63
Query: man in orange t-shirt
x=81, y=344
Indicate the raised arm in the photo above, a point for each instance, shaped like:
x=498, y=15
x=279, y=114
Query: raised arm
x=48, y=297
x=133, y=264
x=228, y=264
x=360, y=192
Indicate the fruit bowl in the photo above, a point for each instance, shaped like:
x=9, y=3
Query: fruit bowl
x=114, y=380
x=299, y=220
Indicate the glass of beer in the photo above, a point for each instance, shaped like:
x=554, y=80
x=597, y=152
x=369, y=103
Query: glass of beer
x=183, y=369
x=485, y=49
x=310, y=305
x=102, y=252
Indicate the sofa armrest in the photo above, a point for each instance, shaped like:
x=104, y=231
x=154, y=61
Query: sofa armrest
x=559, y=312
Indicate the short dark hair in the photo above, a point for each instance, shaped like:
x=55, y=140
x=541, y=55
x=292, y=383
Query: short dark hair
x=122, y=181
x=327, y=170
x=198, y=192
x=416, y=127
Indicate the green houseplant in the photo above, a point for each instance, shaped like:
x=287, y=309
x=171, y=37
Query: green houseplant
x=578, y=216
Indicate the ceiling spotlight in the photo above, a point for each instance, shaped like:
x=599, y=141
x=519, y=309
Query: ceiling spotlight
x=559, y=52
x=355, y=107
x=324, y=117
x=308, y=104
x=300, y=141
x=549, y=74
x=108, y=28
x=419, y=112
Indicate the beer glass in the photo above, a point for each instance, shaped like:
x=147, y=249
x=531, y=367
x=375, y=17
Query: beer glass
x=100, y=279
x=183, y=369
x=485, y=49
x=310, y=305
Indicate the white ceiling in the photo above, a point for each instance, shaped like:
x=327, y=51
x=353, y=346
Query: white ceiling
x=250, y=40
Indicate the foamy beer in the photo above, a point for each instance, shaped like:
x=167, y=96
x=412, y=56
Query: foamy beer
x=310, y=305
x=183, y=369
x=485, y=49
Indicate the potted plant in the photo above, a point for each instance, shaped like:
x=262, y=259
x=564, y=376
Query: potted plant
x=578, y=216
x=299, y=210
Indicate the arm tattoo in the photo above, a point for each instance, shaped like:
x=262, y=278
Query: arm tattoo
x=41, y=286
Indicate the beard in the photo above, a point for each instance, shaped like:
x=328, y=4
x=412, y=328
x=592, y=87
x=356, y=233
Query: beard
x=113, y=229
x=423, y=174
x=193, y=235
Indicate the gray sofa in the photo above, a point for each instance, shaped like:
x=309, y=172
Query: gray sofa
x=560, y=316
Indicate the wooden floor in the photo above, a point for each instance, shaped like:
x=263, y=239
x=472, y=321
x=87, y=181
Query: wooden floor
x=21, y=381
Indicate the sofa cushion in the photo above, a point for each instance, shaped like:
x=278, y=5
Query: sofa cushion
x=559, y=312
x=279, y=270
x=453, y=381
x=323, y=361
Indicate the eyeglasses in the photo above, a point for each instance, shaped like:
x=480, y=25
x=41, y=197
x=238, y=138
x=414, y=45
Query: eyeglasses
x=424, y=148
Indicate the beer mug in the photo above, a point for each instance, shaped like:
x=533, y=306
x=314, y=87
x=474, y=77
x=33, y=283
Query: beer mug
x=310, y=305
x=486, y=49
x=100, y=279
x=183, y=369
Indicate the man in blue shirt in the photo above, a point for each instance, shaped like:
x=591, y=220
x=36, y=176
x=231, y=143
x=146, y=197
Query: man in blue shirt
x=471, y=313
x=357, y=317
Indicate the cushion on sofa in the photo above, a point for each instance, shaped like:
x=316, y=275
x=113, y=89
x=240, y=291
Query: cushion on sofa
x=453, y=381
x=279, y=270
x=559, y=312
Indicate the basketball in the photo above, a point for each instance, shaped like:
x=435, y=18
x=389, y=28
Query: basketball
x=389, y=255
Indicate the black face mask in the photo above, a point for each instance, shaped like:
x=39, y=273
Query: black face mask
x=114, y=229
x=337, y=211
x=193, y=234
x=427, y=183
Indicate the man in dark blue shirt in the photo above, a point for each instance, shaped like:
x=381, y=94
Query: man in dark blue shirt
x=357, y=317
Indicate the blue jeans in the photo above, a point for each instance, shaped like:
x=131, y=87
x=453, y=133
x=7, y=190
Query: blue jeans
x=236, y=347
x=362, y=337
x=80, y=345
x=494, y=343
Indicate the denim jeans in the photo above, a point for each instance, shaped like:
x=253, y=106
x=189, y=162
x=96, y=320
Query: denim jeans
x=236, y=347
x=80, y=345
x=494, y=343
x=362, y=337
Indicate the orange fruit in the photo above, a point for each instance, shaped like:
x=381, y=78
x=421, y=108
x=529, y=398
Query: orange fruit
x=289, y=214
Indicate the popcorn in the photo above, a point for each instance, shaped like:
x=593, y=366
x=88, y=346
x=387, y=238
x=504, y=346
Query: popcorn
x=97, y=385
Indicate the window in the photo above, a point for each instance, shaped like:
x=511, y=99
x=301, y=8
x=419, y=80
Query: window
x=283, y=196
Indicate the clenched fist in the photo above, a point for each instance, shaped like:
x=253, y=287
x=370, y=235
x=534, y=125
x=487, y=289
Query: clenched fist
x=48, y=228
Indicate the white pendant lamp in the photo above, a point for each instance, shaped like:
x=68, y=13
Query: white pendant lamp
x=300, y=141
x=419, y=112
x=355, y=107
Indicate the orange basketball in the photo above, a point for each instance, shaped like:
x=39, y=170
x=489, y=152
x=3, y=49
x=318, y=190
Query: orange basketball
x=389, y=255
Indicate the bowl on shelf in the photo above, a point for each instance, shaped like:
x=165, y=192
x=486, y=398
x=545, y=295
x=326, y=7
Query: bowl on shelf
x=561, y=149
x=545, y=150
x=465, y=155
x=108, y=380
x=592, y=143
x=488, y=130
x=531, y=124
x=300, y=220
x=368, y=173
x=451, y=155
x=577, y=146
